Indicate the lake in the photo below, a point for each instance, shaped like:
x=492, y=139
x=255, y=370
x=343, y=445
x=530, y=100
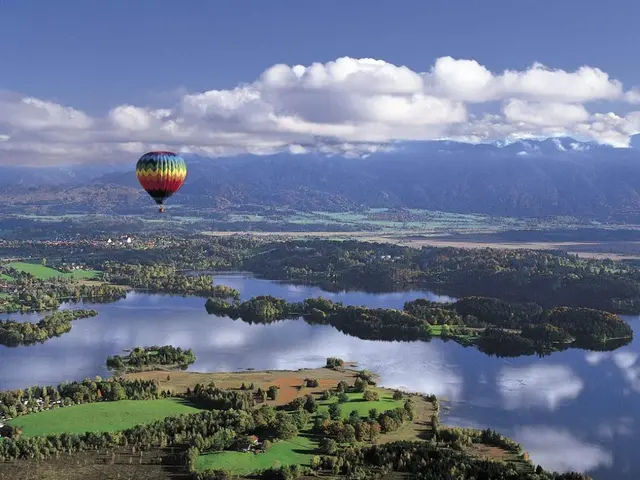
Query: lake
x=574, y=410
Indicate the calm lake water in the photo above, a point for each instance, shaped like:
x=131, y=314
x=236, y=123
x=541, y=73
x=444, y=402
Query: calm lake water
x=573, y=410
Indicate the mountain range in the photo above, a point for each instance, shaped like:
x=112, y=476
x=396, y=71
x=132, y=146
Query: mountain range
x=527, y=178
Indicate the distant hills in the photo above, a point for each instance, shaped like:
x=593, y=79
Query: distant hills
x=559, y=176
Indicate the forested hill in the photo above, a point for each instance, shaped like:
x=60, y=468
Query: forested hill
x=551, y=177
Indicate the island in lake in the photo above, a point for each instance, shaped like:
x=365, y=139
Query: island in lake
x=166, y=357
x=331, y=421
x=495, y=326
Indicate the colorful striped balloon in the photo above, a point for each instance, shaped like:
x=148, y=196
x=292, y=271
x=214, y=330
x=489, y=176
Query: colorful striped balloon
x=161, y=174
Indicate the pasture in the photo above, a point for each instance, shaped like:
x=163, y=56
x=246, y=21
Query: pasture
x=297, y=451
x=100, y=417
x=359, y=404
x=46, y=273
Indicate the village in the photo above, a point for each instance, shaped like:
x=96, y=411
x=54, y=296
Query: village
x=29, y=406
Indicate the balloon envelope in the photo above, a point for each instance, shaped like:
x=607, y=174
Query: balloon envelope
x=161, y=174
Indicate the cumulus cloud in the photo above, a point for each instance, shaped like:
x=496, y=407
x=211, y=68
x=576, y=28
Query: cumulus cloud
x=349, y=106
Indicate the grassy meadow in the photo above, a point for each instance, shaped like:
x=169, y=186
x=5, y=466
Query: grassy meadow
x=357, y=403
x=45, y=273
x=298, y=450
x=100, y=417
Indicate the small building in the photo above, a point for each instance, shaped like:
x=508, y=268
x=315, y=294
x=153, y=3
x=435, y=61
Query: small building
x=247, y=444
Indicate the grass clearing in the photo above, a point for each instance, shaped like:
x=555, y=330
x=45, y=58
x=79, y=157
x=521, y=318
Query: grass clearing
x=298, y=450
x=100, y=417
x=357, y=403
x=45, y=273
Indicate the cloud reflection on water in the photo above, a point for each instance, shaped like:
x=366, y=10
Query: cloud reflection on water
x=538, y=386
x=558, y=449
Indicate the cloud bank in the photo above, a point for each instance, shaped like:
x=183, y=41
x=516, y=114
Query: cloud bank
x=348, y=106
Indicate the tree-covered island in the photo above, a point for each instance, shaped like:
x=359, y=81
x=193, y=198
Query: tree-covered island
x=494, y=326
x=152, y=358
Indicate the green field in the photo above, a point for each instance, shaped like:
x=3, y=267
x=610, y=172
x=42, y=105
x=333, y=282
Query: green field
x=46, y=273
x=298, y=450
x=356, y=402
x=100, y=417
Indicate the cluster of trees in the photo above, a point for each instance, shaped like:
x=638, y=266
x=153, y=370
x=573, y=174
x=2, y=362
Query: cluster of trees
x=214, y=398
x=165, y=279
x=496, y=326
x=547, y=278
x=336, y=430
x=142, y=357
x=33, y=294
x=20, y=402
x=335, y=363
x=13, y=334
x=464, y=437
x=429, y=461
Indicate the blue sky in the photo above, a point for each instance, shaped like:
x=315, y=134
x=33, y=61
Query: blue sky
x=94, y=56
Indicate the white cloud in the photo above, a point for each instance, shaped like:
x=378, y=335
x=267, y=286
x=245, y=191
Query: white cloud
x=347, y=106
x=538, y=386
x=467, y=80
x=522, y=112
x=633, y=96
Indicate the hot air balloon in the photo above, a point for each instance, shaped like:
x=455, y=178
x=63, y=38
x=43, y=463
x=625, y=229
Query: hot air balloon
x=161, y=174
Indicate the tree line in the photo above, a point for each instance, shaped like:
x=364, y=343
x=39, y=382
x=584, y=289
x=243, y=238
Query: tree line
x=14, y=334
x=185, y=429
x=430, y=461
